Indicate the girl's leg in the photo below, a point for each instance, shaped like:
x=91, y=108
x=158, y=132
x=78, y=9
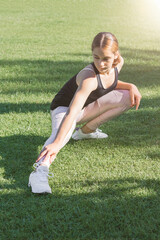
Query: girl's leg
x=38, y=179
x=57, y=117
x=105, y=108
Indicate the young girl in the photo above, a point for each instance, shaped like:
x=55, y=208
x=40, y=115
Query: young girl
x=93, y=97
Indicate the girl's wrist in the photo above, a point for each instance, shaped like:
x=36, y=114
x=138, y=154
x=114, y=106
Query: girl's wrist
x=57, y=143
x=131, y=86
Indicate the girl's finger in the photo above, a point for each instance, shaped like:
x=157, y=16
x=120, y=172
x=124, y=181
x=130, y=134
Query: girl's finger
x=132, y=100
x=52, y=158
x=41, y=155
x=46, y=158
x=137, y=103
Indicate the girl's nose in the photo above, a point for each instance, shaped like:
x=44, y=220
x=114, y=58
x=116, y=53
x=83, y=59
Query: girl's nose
x=101, y=63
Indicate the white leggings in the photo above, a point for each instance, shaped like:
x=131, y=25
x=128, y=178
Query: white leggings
x=102, y=110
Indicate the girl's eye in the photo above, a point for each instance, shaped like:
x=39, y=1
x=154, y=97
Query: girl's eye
x=96, y=57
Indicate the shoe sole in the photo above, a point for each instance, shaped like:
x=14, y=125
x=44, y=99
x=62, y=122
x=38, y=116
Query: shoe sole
x=87, y=138
x=39, y=192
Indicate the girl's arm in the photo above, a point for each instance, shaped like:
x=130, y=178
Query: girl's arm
x=133, y=90
x=84, y=89
x=79, y=99
x=120, y=65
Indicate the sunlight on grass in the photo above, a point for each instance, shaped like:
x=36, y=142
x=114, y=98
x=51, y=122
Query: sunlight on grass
x=105, y=189
x=149, y=12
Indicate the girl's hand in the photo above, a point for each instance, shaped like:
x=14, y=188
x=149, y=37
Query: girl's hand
x=50, y=151
x=135, y=96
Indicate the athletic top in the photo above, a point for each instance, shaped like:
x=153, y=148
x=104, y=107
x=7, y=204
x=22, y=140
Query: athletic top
x=66, y=93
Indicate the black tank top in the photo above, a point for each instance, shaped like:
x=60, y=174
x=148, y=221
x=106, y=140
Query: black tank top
x=65, y=95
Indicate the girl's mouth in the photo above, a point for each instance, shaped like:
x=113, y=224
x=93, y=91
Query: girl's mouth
x=104, y=69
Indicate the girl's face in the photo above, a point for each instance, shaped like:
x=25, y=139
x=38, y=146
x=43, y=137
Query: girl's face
x=103, y=59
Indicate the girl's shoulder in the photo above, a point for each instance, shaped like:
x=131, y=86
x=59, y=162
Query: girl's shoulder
x=88, y=69
x=86, y=73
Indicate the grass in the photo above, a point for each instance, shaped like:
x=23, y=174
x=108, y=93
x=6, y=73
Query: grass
x=107, y=189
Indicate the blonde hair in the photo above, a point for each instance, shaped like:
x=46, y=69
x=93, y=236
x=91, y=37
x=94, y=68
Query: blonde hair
x=107, y=40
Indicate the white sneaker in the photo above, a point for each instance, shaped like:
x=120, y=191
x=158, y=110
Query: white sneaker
x=38, y=180
x=78, y=134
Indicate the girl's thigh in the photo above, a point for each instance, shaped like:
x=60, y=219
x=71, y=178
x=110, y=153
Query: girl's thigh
x=57, y=116
x=111, y=100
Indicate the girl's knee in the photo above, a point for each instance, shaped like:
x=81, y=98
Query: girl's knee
x=122, y=98
x=126, y=99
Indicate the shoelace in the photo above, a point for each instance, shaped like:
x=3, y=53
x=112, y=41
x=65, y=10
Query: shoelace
x=36, y=165
x=98, y=130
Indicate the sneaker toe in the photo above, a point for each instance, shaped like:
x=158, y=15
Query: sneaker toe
x=41, y=189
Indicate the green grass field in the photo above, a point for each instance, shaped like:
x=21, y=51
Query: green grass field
x=107, y=189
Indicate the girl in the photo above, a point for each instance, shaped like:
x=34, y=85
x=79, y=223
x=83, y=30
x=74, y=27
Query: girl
x=93, y=97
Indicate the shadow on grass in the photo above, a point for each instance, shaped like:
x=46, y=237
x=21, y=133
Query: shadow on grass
x=115, y=209
x=8, y=107
x=35, y=76
x=142, y=54
x=18, y=153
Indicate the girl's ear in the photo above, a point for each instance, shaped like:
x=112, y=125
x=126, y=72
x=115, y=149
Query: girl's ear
x=116, y=55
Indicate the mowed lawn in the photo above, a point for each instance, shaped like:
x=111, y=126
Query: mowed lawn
x=102, y=189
